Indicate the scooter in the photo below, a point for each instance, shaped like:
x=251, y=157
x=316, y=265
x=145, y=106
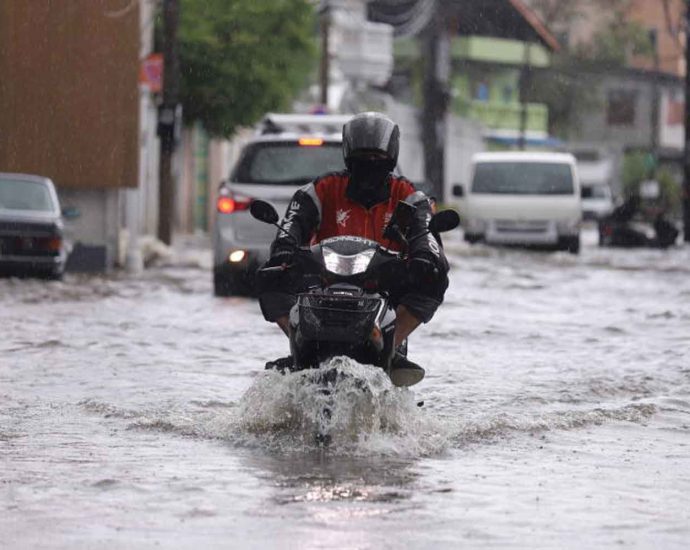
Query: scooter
x=345, y=308
x=620, y=229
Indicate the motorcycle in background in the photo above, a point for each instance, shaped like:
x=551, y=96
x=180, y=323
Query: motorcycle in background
x=622, y=229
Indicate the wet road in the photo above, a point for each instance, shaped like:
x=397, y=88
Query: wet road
x=135, y=413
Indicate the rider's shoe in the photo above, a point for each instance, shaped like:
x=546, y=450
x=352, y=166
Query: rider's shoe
x=282, y=364
x=404, y=372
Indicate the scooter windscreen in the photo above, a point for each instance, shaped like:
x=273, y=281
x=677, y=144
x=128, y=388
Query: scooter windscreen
x=347, y=256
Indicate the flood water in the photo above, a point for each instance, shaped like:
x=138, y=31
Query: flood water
x=135, y=413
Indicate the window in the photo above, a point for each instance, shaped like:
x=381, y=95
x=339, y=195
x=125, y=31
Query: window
x=588, y=155
x=595, y=192
x=287, y=163
x=481, y=92
x=522, y=178
x=25, y=195
x=621, y=107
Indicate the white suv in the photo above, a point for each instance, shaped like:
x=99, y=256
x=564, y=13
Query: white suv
x=288, y=151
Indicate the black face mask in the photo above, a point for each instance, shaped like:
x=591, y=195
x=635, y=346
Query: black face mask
x=368, y=180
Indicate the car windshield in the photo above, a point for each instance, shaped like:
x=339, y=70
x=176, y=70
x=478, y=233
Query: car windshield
x=287, y=163
x=594, y=192
x=522, y=178
x=25, y=195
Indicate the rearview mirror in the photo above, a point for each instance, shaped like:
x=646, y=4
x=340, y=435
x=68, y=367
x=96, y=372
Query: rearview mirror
x=263, y=211
x=400, y=221
x=458, y=190
x=402, y=215
x=446, y=220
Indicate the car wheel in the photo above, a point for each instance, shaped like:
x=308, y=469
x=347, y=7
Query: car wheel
x=571, y=244
x=473, y=237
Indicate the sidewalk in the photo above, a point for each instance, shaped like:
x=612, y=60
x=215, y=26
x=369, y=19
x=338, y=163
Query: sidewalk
x=187, y=250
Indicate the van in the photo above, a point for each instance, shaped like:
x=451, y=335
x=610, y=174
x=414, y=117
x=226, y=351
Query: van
x=522, y=198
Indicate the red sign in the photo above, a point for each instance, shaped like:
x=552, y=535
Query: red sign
x=151, y=72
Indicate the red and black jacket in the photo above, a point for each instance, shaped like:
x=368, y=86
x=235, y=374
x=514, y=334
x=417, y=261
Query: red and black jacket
x=327, y=208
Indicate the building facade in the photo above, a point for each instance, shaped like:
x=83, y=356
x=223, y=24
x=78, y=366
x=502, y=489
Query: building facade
x=72, y=109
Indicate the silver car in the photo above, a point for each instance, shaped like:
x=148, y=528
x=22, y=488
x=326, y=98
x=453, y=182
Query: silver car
x=31, y=227
x=288, y=152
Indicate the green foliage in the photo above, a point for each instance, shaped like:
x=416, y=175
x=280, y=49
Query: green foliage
x=241, y=58
x=569, y=88
x=614, y=44
x=634, y=170
x=637, y=167
x=670, y=199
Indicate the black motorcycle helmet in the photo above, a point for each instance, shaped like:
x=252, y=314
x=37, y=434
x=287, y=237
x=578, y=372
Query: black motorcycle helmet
x=371, y=133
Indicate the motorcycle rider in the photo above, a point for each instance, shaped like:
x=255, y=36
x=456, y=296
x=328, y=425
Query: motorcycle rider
x=360, y=201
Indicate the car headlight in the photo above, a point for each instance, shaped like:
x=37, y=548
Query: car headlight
x=236, y=256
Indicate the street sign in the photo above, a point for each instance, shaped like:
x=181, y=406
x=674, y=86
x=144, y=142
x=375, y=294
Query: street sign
x=151, y=72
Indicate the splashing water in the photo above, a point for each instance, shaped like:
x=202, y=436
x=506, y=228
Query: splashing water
x=355, y=406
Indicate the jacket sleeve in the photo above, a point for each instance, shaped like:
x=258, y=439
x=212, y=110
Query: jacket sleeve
x=423, y=302
x=302, y=218
x=427, y=246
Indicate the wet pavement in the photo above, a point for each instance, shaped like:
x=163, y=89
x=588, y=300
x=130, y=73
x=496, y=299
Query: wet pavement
x=135, y=413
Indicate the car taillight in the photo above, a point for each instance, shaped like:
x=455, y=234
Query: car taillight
x=48, y=244
x=54, y=244
x=227, y=204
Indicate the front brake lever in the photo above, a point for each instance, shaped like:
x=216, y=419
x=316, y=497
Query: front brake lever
x=275, y=269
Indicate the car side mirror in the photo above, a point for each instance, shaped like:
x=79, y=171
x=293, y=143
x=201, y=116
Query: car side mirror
x=458, y=190
x=70, y=213
x=263, y=211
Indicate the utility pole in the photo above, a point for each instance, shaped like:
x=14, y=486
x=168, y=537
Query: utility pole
x=686, y=156
x=524, y=83
x=324, y=66
x=436, y=55
x=656, y=99
x=168, y=120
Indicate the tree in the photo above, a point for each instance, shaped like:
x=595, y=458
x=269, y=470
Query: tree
x=563, y=86
x=241, y=58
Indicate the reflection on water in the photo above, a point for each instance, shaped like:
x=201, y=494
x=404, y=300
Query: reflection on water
x=321, y=476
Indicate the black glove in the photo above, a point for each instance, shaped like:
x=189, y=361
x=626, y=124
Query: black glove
x=282, y=254
x=422, y=270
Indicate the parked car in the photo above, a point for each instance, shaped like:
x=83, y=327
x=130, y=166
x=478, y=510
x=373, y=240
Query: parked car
x=597, y=201
x=287, y=152
x=31, y=227
x=522, y=198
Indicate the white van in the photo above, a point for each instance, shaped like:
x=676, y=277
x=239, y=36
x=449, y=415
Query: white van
x=522, y=198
